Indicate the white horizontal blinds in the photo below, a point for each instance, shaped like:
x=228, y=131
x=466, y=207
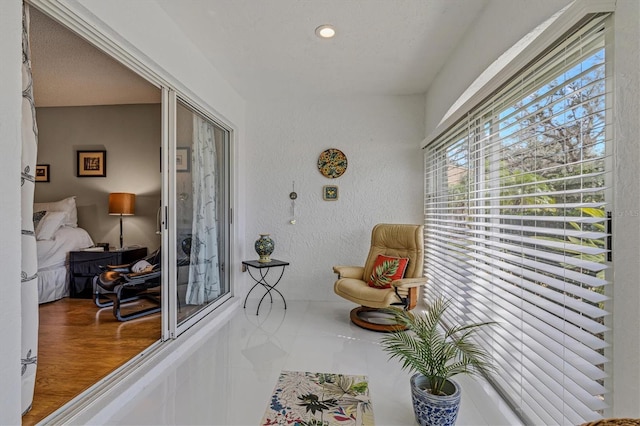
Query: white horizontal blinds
x=516, y=230
x=446, y=211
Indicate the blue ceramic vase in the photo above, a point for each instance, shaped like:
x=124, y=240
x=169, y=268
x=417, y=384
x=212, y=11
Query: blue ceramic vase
x=434, y=410
x=264, y=247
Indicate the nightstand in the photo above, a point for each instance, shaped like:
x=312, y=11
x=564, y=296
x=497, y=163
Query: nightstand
x=84, y=265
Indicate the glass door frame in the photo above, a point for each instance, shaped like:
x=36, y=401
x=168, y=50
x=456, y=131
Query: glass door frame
x=169, y=298
x=170, y=326
x=171, y=90
x=94, y=31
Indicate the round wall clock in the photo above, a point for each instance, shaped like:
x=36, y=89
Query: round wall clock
x=332, y=163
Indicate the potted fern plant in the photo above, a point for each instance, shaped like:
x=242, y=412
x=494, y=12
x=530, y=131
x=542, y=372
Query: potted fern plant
x=435, y=353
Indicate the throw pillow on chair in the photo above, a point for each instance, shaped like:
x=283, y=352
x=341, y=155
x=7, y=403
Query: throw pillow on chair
x=387, y=269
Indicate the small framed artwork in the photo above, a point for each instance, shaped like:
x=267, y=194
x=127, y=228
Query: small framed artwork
x=182, y=159
x=330, y=192
x=92, y=163
x=42, y=173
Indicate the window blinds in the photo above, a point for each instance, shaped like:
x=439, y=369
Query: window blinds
x=516, y=228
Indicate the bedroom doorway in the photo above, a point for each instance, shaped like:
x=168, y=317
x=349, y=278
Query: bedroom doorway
x=88, y=102
x=177, y=147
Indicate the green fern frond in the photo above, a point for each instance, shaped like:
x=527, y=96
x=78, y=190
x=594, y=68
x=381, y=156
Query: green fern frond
x=437, y=353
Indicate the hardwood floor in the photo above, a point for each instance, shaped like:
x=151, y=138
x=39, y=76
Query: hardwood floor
x=80, y=344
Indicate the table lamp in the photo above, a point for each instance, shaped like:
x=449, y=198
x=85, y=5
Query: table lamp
x=123, y=204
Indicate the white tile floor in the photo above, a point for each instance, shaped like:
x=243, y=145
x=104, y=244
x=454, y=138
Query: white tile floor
x=228, y=378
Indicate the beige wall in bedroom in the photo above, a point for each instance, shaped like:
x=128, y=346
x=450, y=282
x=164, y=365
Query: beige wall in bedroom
x=131, y=135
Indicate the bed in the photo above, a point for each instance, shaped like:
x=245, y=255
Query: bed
x=57, y=233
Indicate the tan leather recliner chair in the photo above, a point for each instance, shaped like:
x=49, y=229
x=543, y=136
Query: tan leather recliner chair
x=394, y=240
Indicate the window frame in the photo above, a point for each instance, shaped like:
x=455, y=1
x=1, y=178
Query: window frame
x=438, y=143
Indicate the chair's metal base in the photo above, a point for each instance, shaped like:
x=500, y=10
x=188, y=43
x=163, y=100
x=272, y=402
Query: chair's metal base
x=374, y=319
x=153, y=297
x=116, y=300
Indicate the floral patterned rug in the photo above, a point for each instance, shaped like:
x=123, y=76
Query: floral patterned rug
x=319, y=399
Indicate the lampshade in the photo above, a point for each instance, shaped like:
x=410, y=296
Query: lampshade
x=122, y=203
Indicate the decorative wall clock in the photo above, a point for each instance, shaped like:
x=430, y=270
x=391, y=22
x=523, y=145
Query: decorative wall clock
x=332, y=163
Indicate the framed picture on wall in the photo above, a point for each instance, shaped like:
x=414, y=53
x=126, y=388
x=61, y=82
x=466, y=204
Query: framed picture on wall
x=182, y=159
x=92, y=163
x=42, y=173
x=330, y=192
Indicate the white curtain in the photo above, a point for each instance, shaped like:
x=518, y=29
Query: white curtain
x=29, y=263
x=204, y=274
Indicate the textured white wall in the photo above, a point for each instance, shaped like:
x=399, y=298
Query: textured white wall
x=503, y=23
x=383, y=183
x=626, y=226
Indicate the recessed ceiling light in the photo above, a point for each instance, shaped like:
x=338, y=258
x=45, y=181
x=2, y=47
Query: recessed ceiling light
x=325, y=31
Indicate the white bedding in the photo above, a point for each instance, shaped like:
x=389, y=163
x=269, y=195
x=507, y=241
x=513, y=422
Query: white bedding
x=53, y=264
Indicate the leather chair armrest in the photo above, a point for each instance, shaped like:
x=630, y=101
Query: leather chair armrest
x=349, y=271
x=409, y=282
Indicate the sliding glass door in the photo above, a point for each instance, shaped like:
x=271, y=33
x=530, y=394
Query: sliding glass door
x=201, y=197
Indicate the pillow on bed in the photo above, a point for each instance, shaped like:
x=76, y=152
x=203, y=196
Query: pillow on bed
x=37, y=217
x=49, y=224
x=68, y=206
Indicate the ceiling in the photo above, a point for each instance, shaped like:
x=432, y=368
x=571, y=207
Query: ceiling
x=268, y=49
x=68, y=71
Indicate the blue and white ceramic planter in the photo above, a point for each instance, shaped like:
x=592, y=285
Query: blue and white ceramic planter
x=434, y=410
x=264, y=247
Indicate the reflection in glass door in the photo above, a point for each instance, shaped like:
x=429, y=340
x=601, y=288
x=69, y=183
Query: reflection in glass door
x=202, y=230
